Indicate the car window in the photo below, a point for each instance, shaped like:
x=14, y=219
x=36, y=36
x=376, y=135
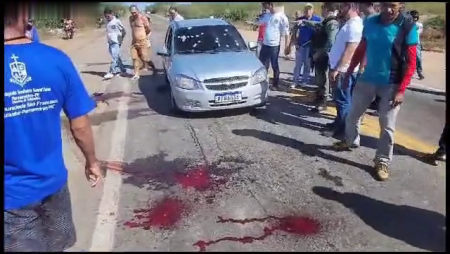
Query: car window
x=169, y=40
x=206, y=39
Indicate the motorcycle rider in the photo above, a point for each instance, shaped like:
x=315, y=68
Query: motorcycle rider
x=69, y=27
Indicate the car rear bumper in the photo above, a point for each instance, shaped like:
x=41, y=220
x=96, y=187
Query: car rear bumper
x=204, y=100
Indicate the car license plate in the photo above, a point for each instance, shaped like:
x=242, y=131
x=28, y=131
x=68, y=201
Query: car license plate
x=228, y=97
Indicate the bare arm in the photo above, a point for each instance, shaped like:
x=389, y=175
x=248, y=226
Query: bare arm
x=146, y=24
x=346, y=57
x=81, y=129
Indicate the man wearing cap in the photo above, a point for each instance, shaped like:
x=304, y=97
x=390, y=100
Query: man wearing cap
x=302, y=46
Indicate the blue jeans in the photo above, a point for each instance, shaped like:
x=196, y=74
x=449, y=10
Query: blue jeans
x=419, y=59
x=116, y=63
x=302, y=60
x=270, y=54
x=343, y=100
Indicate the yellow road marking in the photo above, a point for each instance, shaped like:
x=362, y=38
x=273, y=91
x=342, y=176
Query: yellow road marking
x=371, y=126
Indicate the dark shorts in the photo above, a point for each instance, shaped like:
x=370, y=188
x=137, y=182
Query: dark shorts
x=45, y=226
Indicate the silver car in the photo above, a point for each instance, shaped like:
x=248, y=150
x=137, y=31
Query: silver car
x=209, y=67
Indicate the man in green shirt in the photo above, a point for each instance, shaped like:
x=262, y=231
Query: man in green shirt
x=321, y=43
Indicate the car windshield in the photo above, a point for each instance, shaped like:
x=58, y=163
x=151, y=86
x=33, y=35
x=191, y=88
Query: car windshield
x=208, y=39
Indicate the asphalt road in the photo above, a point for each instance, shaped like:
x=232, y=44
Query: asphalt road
x=263, y=180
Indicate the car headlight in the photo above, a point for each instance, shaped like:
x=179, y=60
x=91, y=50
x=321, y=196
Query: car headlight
x=187, y=83
x=259, y=76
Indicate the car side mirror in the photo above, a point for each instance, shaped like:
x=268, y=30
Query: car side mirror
x=162, y=52
x=252, y=45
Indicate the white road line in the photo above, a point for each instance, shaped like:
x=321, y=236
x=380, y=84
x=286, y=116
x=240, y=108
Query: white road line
x=103, y=237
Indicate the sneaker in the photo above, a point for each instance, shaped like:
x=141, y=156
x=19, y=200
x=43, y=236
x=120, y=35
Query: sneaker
x=293, y=86
x=440, y=157
x=421, y=76
x=343, y=146
x=302, y=84
x=108, y=76
x=382, y=171
x=135, y=77
x=319, y=109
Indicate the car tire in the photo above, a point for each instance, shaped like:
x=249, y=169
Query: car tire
x=174, y=107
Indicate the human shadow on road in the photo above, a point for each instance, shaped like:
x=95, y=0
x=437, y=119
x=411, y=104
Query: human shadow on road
x=157, y=93
x=417, y=227
x=306, y=149
x=104, y=100
x=157, y=172
x=286, y=110
x=95, y=73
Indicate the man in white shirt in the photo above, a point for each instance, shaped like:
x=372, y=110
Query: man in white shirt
x=340, y=55
x=277, y=25
x=115, y=32
x=174, y=15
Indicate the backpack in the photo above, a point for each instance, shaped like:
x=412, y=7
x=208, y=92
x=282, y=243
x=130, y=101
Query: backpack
x=398, y=57
x=320, y=38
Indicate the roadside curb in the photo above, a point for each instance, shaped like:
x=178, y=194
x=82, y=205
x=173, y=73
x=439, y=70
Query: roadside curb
x=425, y=89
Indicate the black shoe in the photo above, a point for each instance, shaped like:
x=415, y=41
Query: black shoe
x=421, y=76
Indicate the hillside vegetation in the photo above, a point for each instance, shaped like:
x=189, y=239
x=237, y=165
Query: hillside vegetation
x=432, y=14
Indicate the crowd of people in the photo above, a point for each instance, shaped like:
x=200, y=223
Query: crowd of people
x=360, y=57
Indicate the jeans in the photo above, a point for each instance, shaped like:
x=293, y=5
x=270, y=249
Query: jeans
x=419, y=59
x=343, y=99
x=442, y=141
x=302, y=59
x=363, y=95
x=270, y=54
x=116, y=63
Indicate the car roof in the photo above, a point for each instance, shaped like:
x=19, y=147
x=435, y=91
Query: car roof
x=199, y=22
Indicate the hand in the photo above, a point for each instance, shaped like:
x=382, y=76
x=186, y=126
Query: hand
x=93, y=173
x=398, y=100
x=332, y=75
x=287, y=50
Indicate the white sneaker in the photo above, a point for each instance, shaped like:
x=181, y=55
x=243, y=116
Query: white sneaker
x=293, y=86
x=135, y=77
x=108, y=76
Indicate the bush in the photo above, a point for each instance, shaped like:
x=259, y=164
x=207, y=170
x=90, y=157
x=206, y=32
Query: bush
x=48, y=23
x=436, y=23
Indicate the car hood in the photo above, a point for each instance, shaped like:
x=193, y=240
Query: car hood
x=224, y=64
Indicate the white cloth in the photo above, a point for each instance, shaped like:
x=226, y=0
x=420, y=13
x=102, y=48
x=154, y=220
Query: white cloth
x=419, y=26
x=114, y=30
x=178, y=17
x=277, y=25
x=351, y=32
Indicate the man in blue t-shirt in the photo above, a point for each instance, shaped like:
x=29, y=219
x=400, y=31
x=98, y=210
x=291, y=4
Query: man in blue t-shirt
x=389, y=41
x=302, y=46
x=40, y=81
x=32, y=32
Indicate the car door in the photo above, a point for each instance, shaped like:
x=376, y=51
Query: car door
x=168, y=46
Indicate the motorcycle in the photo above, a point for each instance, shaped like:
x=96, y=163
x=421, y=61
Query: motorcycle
x=69, y=30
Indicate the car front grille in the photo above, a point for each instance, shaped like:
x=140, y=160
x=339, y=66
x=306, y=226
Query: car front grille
x=225, y=87
x=228, y=79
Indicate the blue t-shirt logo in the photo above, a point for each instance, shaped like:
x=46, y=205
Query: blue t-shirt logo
x=18, y=72
x=39, y=82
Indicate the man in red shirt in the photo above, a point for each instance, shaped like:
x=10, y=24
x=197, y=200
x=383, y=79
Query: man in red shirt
x=262, y=26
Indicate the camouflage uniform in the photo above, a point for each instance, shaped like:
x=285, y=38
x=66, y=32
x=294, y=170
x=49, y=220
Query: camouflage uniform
x=328, y=27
